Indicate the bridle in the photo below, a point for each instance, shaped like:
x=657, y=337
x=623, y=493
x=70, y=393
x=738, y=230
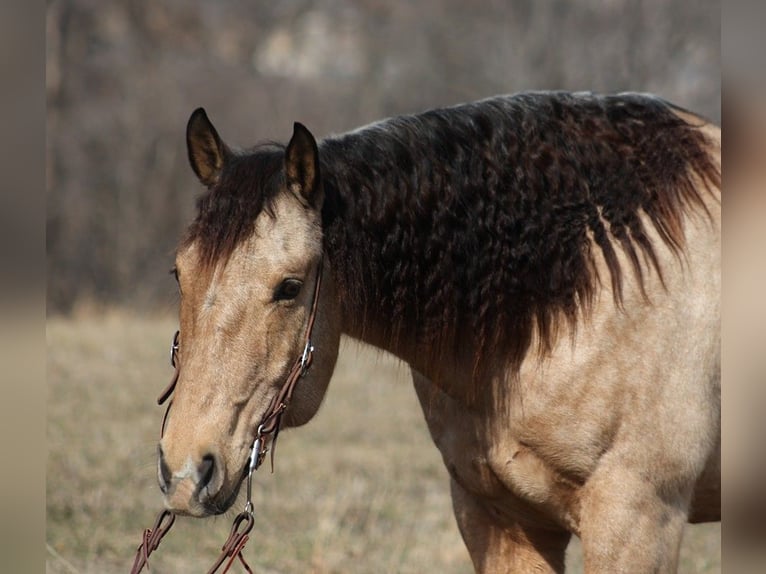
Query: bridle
x=271, y=422
x=264, y=441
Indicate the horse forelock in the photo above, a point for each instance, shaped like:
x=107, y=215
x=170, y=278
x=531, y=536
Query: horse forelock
x=480, y=224
x=226, y=213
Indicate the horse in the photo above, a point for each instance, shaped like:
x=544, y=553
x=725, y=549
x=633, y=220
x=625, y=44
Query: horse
x=546, y=263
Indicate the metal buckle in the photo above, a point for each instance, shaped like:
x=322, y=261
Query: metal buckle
x=255, y=462
x=308, y=351
x=174, y=349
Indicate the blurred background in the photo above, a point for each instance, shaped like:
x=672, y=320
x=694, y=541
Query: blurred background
x=361, y=493
x=124, y=76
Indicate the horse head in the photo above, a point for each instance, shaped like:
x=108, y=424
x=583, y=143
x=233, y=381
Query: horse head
x=248, y=273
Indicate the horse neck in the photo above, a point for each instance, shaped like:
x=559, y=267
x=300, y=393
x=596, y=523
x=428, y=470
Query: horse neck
x=354, y=250
x=378, y=221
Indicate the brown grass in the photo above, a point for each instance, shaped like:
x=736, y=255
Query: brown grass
x=360, y=489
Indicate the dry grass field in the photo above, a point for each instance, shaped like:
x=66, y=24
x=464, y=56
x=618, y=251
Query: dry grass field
x=360, y=489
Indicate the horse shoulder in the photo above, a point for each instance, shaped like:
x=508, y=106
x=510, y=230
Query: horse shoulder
x=639, y=383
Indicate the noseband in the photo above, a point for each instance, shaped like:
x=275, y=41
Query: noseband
x=264, y=441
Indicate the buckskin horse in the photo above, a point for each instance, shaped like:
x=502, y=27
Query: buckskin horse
x=547, y=264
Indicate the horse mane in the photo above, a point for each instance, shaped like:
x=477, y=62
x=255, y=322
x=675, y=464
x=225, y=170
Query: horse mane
x=474, y=227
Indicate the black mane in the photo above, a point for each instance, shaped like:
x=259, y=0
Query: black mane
x=471, y=226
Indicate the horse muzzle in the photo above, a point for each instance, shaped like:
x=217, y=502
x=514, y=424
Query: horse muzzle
x=197, y=487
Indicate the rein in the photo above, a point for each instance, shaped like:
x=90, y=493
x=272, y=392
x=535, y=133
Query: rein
x=269, y=426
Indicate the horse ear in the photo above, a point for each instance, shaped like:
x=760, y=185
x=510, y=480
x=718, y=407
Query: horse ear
x=302, y=165
x=207, y=153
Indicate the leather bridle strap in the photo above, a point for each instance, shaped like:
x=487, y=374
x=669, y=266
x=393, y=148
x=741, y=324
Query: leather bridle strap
x=167, y=391
x=272, y=420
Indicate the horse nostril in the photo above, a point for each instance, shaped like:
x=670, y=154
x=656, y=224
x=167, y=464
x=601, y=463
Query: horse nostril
x=206, y=470
x=165, y=475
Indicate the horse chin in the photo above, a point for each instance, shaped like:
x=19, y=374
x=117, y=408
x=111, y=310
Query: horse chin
x=220, y=505
x=214, y=506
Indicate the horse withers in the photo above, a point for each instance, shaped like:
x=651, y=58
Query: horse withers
x=548, y=264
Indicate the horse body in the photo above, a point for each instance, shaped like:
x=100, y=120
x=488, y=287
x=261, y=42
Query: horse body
x=547, y=264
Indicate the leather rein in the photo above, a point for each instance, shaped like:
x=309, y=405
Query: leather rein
x=264, y=441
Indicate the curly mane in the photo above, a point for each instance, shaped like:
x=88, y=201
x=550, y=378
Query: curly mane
x=473, y=227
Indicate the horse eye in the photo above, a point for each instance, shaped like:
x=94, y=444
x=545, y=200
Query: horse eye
x=287, y=290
